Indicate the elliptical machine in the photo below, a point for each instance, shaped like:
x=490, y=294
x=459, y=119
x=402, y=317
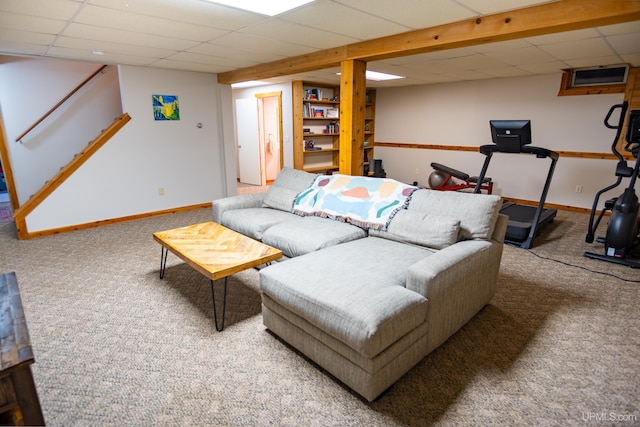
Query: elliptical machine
x=622, y=240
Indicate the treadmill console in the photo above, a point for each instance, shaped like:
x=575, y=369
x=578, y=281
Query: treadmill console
x=510, y=135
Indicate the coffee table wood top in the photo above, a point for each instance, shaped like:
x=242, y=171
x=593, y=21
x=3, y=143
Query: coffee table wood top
x=214, y=250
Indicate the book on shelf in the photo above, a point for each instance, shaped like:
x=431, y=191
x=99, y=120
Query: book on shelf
x=332, y=113
x=308, y=111
x=332, y=127
x=313, y=94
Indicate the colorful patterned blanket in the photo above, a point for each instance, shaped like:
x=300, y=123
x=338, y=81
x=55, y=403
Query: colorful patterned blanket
x=362, y=201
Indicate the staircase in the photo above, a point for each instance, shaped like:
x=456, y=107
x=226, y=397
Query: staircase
x=65, y=172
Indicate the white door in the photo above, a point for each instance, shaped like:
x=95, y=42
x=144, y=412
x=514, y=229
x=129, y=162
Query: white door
x=248, y=141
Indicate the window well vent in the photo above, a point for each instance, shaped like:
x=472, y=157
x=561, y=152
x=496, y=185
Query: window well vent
x=606, y=75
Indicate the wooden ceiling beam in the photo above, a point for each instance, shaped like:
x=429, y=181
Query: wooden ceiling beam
x=563, y=15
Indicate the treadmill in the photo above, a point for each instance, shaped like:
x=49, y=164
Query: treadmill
x=525, y=222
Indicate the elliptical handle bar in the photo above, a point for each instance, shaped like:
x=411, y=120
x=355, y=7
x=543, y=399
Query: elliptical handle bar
x=624, y=106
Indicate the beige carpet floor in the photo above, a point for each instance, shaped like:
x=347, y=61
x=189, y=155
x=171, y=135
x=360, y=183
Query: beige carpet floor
x=558, y=345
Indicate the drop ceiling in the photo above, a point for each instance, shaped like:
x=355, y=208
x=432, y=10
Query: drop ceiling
x=197, y=35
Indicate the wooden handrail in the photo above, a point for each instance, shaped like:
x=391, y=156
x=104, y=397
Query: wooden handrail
x=21, y=213
x=62, y=101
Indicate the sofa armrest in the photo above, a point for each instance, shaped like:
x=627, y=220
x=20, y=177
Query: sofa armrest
x=457, y=281
x=465, y=260
x=242, y=201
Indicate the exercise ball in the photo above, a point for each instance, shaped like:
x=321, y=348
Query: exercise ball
x=437, y=178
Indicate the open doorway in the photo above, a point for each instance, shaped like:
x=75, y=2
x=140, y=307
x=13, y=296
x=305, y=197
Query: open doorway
x=260, y=153
x=270, y=134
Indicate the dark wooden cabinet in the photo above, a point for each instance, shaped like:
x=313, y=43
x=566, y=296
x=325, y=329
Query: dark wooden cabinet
x=19, y=403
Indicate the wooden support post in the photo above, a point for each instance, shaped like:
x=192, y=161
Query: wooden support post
x=353, y=87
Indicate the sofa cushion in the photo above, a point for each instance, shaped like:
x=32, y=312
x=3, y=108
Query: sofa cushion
x=286, y=187
x=421, y=228
x=253, y=222
x=353, y=291
x=309, y=234
x=477, y=213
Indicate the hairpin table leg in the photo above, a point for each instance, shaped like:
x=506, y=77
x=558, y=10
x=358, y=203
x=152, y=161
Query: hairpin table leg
x=163, y=260
x=224, y=305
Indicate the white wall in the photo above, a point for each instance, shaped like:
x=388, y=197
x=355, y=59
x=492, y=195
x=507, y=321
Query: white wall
x=29, y=88
x=124, y=177
x=459, y=114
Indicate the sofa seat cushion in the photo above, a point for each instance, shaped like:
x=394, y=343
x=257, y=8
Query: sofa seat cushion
x=309, y=234
x=353, y=291
x=253, y=222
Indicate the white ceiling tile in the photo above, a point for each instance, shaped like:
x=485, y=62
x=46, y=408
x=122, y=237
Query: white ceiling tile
x=17, y=36
x=594, y=61
x=509, y=71
x=190, y=66
x=37, y=24
x=85, y=55
x=501, y=46
x=340, y=19
x=111, y=18
x=589, y=33
x=51, y=9
x=278, y=29
x=261, y=44
x=545, y=67
x=233, y=52
x=632, y=59
x=527, y=55
x=9, y=47
x=476, y=62
x=469, y=75
x=576, y=49
x=625, y=43
x=496, y=6
x=626, y=28
x=125, y=49
x=448, y=54
x=90, y=32
x=211, y=60
x=412, y=13
x=192, y=11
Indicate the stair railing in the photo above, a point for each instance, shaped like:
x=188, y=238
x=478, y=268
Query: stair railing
x=62, y=101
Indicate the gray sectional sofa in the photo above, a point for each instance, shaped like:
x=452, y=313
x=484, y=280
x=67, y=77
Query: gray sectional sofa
x=368, y=303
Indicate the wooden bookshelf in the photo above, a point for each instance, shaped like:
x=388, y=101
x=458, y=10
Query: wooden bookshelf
x=316, y=126
x=369, y=128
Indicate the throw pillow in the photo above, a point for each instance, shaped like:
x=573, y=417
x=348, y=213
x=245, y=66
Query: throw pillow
x=422, y=229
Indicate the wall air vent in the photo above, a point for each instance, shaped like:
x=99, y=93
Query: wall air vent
x=605, y=75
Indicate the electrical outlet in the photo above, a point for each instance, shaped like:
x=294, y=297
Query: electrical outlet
x=578, y=188
x=161, y=191
x=417, y=171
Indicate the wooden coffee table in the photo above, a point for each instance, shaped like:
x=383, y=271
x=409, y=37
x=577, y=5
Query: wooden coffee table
x=215, y=251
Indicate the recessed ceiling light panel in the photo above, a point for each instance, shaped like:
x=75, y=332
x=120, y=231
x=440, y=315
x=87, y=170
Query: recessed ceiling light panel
x=264, y=7
x=377, y=76
x=249, y=83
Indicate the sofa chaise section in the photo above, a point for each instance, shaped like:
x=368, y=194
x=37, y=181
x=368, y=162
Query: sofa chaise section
x=369, y=310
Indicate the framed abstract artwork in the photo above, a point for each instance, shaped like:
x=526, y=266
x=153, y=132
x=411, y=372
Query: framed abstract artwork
x=166, y=107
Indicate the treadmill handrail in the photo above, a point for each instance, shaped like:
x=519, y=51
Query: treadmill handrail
x=526, y=149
